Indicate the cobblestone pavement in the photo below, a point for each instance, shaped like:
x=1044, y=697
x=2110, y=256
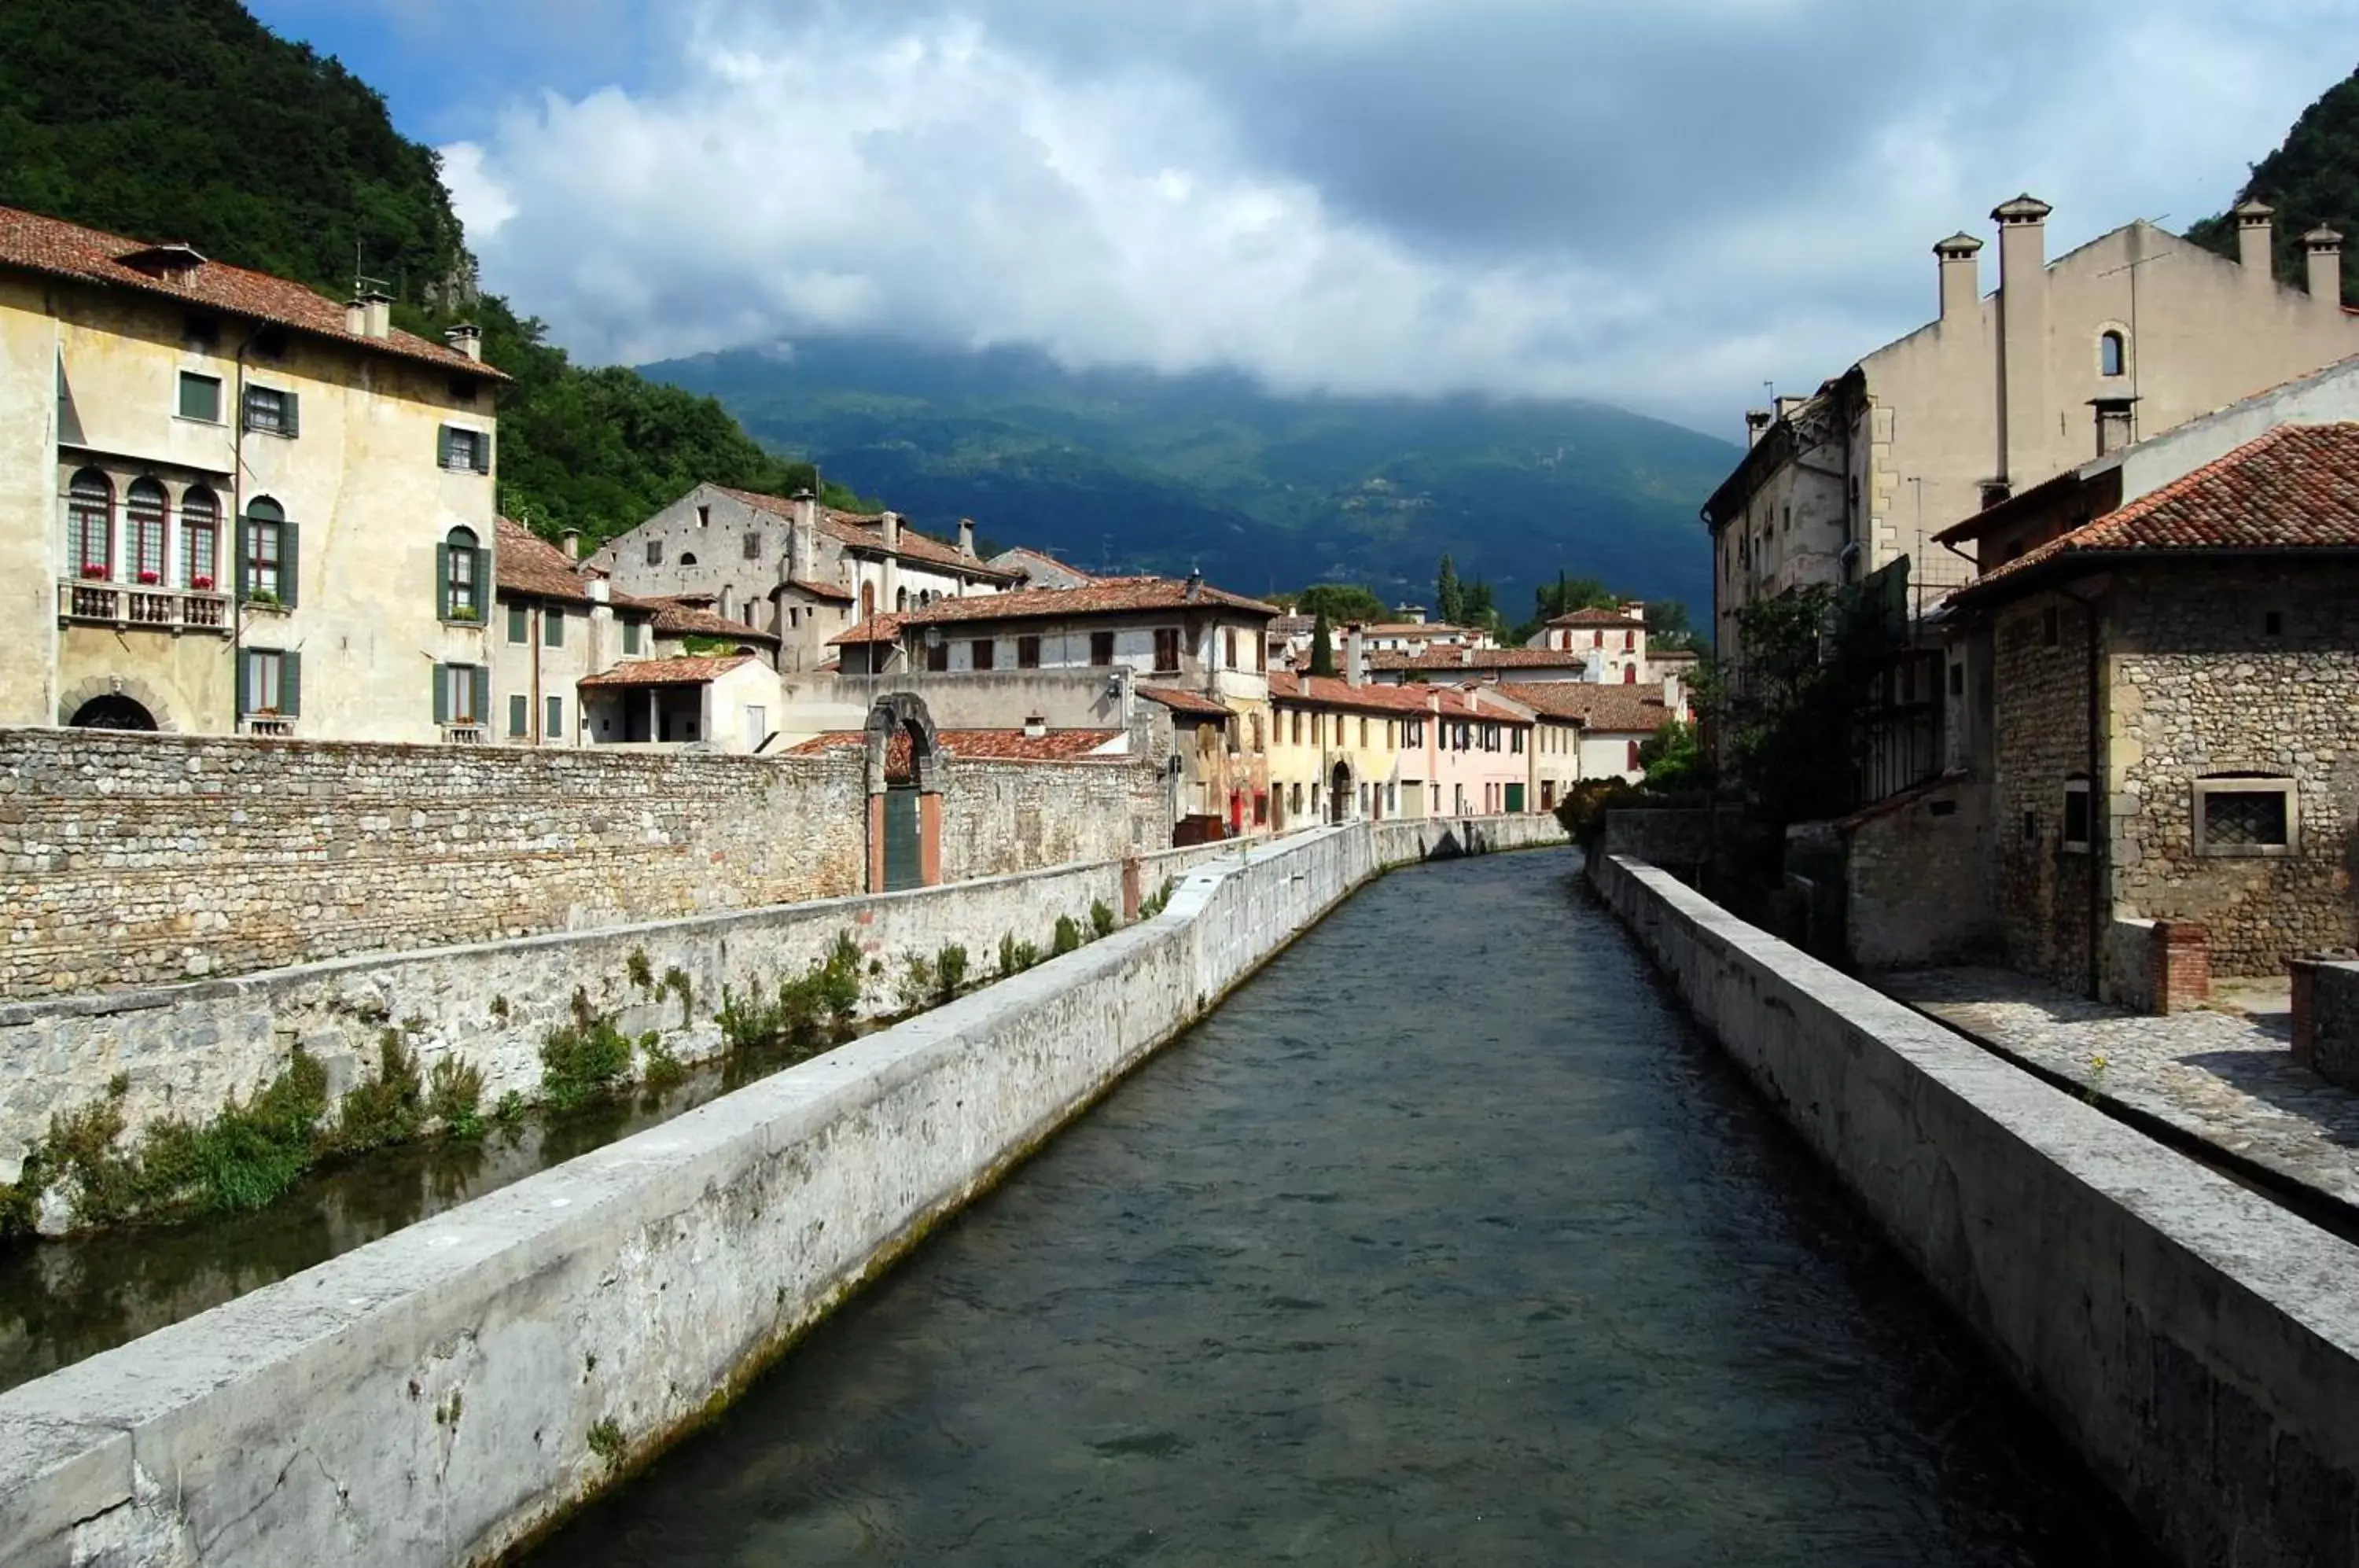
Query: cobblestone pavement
x=2228, y=1078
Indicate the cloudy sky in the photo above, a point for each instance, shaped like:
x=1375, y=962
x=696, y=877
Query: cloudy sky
x=1662, y=204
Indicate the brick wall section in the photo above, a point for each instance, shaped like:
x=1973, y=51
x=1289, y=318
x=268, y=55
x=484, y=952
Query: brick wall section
x=2042, y=724
x=2200, y=686
x=135, y=860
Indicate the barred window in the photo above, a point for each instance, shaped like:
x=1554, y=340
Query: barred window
x=2246, y=814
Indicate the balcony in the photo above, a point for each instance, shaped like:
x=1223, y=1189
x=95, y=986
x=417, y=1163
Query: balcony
x=463, y=735
x=128, y=606
x=276, y=726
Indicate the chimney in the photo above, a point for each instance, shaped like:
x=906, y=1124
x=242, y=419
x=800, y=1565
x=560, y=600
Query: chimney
x=1961, y=276
x=892, y=529
x=1355, y=656
x=1757, y=424
x=802, y=536
x=569, y=541
x=2323, y=247
x=1413, y=613
x=370, y=315
x=468, y=339
x=2023, y=337
x=1672, y=696
x=2253, y=241
x=966, y=537
x=1035, y=726
x=1195, y=589
x=598, y=588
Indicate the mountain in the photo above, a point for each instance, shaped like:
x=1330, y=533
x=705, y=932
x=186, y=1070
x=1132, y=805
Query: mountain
x=2311, y=179
x=189, y=120
x=1129, y=468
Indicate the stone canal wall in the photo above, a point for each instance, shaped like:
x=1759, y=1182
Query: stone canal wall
x=435, y=1397
x=2199, y=1343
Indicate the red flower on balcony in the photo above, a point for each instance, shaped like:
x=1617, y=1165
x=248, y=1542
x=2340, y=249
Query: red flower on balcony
x=201, y=582
x=151, y=578
x=93, y=572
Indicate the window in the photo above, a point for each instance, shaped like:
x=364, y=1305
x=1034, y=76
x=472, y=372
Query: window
x=200, y=539
x=459, y=566
x=1256, y=732
x=555, y=728
x=1413, y=732
x=552, y=627
x=630, y=636
x=981, y=651
x=1261, y=808
x=753, y=544
x=654, y=552
x=1294, y=726
x=1028, y=653
x=267, y=573
x=704, y=515
x=1166, y=647
x=1957, y=680
x=1102, y=648
x=520, y=715
x=519, y=628
x=687, y=558
x=201, y=397
x=938, y=656
x=143, y=512
x=1631, y=761
x=1629, y=641
x=461, y=693
x=2246, y=814
x=269, y=682
x=1261, y=652
x=1229, y=647
x=201, y=334
x=463, y=391
x=90, y=524
x=2076, y=814
x=1516, y=742
x=464, y=451
x=272, y=412
x=1392, y=735
x=2111, y=355
x=900, y=599
x=1364, y=729
x=1629, y=675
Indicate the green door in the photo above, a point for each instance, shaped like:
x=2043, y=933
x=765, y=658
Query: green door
x=1515, y=798
x=901, y=858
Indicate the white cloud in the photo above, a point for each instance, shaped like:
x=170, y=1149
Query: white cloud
x=1163, y=201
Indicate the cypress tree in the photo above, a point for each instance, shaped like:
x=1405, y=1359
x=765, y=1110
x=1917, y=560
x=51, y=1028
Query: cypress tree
x=1322, y=648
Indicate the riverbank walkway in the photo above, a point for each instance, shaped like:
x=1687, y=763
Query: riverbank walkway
x=2223, y=1076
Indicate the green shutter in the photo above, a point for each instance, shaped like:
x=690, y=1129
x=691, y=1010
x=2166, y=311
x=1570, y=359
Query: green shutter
x=244, y=682
x=482, y=452
x=290, y=683
x=442, y=581
x=556, y=729
x=518, y=707
x=552, y=624
x=630, y=636
x=242, y=542
x=442, y=446
x=482, y=677
x=484, y=587
x=441, y=694
x=290, y=567
x=516, y=630
x=292, y=425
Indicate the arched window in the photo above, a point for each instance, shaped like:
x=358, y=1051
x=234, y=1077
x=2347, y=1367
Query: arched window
x=200, y=539
x=900, y=598
x=462, y=576
x=1634, y=756
x=687, y=558
x=90, y=524
x=2111, y=354
x=263, y=553
x=145, y=509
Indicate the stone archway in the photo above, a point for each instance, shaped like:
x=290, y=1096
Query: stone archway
x=1338, y=794
x=905, y=795
x=91, y=704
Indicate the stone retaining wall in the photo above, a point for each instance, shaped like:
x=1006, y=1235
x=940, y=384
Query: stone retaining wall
x=431, y=1399
x=2199, y=1343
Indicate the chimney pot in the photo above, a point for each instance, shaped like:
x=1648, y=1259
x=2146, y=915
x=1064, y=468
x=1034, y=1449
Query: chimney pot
x=2323, y=250
x=569, y=541
x=370, y=315
x=1757, y=424
x=2253, y=241
x=466, y=338
x=1960, y=274
x=891, y=525
x=1035, y=726
x=966, y=537
x=1355, y=656
x=2023, y=333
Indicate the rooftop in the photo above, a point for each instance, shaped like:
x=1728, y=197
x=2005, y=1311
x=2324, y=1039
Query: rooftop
x=1619, y=710
x=679, y=619
x=865, y=530
x=523, y=562
x=1598, y=615
x=1478, y=659
x=1195, y=704
x=689, y=672
x=1106, y=597
x=59, y=249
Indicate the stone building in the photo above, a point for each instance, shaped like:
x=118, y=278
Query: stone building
x=2128, y=335
x=790, y=566
x=230, y=503
x=556, y=626
x=2160, y=697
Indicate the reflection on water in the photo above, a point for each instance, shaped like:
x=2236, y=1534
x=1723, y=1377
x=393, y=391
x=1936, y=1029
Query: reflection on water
x=62, y=1300
x=1444, y=1240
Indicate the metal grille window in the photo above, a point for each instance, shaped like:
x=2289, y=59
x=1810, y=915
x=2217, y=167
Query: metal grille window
x=271, y=411
x=2244, y=819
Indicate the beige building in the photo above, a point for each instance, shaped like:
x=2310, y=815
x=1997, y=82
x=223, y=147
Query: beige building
x=227, y=502
x=556, y=626
x=2128, y=335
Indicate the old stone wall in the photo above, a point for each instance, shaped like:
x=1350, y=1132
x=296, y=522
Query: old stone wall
x=2197, y=1342
x=431, y=1398
x=2041, y=654
x=1917, y=877
x=2200, y=686
x=1007, y=816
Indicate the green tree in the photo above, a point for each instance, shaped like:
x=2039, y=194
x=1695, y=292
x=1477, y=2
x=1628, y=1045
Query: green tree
x=1449, y=596
x=1341, y=603
x=1322, y=648
x=2311, y=179
x=1810, y=660
x=1673, y=758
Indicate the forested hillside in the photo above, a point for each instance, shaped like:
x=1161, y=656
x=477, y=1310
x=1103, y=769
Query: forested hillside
x=2312, y=178
x=189, y=120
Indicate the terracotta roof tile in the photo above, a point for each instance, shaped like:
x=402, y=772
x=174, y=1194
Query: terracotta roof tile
x=668, y=672
x=866, y=531
x=678, y=619
x=60, y=249
x=2294, y=488
x=523, y=562
x=885, y=629
x=1327, y=691
x=820, y=590
x=1105, y=596
x=1619, y=710
x=1478, y=659
x=1195, y=704
x=1597, y=616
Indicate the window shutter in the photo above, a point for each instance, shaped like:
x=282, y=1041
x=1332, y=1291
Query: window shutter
x=290, y=574
x=442, y=581
x=292, y=425
x=242, y=540
x=290, y=683
x=244, y=683
x=482, y=452
x=441, y=693
x=442, y=446
x=482, y=706
x=518, y=706
x=483, y=581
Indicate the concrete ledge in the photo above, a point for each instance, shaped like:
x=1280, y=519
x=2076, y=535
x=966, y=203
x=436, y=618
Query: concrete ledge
x=432, y=1397
x=2199, y=1343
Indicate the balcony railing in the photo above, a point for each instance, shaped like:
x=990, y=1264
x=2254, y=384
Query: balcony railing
x=144, y=607
x=463, y=735
x=272, y=724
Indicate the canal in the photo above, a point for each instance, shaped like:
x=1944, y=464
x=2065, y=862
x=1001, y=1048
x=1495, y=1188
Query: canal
x=1445, y=1239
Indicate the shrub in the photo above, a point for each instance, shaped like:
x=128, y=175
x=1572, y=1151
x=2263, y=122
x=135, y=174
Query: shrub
x=1100, y=918
x=1152, y=905
x=583, y=1059
x=248, y=1155
x=663, y=1069
x=920, y=985
x=950, y=968
x=387, y=1108
x=1069, y=936
x=454, y=1096
x=642, y=972
x=1015, y=957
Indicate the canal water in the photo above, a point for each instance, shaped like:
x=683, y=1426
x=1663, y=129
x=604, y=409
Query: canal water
x=1446, y=1239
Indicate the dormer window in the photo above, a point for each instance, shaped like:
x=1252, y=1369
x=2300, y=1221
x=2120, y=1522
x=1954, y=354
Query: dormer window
x=174, y=264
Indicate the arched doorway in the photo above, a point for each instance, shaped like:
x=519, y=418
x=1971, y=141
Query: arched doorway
x=113, y=711
x=1338, y=794
x=905, y=795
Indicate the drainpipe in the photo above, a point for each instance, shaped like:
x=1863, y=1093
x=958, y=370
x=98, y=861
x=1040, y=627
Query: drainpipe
x=533, y=719
x=2098, y=871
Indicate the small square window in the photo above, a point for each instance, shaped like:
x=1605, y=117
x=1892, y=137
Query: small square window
x=2246, y=816
x=267, y=411
x=753, y=544
x=462, y=450
x=200, y=397
x=516, y=628
x=2076, y=814
x=654, y=552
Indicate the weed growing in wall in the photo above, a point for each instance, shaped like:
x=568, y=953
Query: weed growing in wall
x=802, y=1011
x=454, y=1097
x=950, y=969
x=1152, y=905
x=677, y=983
x=1100, y=918
x=388, y=1107
x=583, y=1059
x=1068, y=938
x=663, y=1070
x=642, y=973
x=606, y=1440
x=918, y=983
x=1016, y=957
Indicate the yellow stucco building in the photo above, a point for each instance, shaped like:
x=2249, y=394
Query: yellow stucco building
x=228, y=503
